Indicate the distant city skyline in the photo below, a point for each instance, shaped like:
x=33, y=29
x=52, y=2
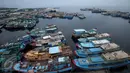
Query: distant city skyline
x=58, y=3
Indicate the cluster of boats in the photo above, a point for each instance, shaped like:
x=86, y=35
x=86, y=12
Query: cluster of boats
x=21, y=24
x=45, y=50
x=49, y=52
x=96, y=51
x=27, y=18
x=10, y=52
x=62, y=15
x=124, y=15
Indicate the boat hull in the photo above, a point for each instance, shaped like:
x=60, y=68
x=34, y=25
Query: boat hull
x=85, y=67
x=17, y=65
x=79, y=55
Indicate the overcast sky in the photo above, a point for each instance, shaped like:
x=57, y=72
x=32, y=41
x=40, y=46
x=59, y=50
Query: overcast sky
x=57, y=3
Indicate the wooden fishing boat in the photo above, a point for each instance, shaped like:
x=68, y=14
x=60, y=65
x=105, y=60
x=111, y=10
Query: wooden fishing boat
x=82, y=33
x=104, y=61
x=110, y=47
x=54, y=65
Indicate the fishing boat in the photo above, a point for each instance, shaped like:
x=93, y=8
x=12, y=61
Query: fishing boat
x=110, y=47
x=68, y=16
x=85, y=9
x=13, y=45
x=104, y=61
x=82, y=33
x=81, y=16
x=37, y=32
x=78, y=32
x=9, y=49
x=85, y=45
x=51, y=60
x=14, y=26
x=25, y=38
x=105, y=13
x=92, y=44
x=54, y=65
x=45, y=53
x=88, y=39
x=51, y=39
x=51, y=28
x=30, y=26
x=21, y=23
x=96, y=37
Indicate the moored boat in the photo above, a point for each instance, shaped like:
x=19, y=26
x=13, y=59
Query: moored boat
x=78, y=32
x=81, y=16
x=55, y=65
x=68, y=16
x=110, y=47
x=50, y=39
x=104, y=61
x=84, y=9
x=92, y=44
x=96, y=37
x=82, y=33
x=85, y=45
x=51, y=28
x=37, y=32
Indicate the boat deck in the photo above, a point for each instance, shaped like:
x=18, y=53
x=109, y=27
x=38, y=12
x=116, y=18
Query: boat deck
x=102, y=35
x=109, y=46
x=117, y=55
x=100, y=42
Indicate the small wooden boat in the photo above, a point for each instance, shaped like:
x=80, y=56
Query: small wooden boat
x=103, y=61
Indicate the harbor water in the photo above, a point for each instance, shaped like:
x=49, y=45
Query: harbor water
x=117, y=27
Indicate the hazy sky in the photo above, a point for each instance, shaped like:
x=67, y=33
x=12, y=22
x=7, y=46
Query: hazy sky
x=56, y=3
